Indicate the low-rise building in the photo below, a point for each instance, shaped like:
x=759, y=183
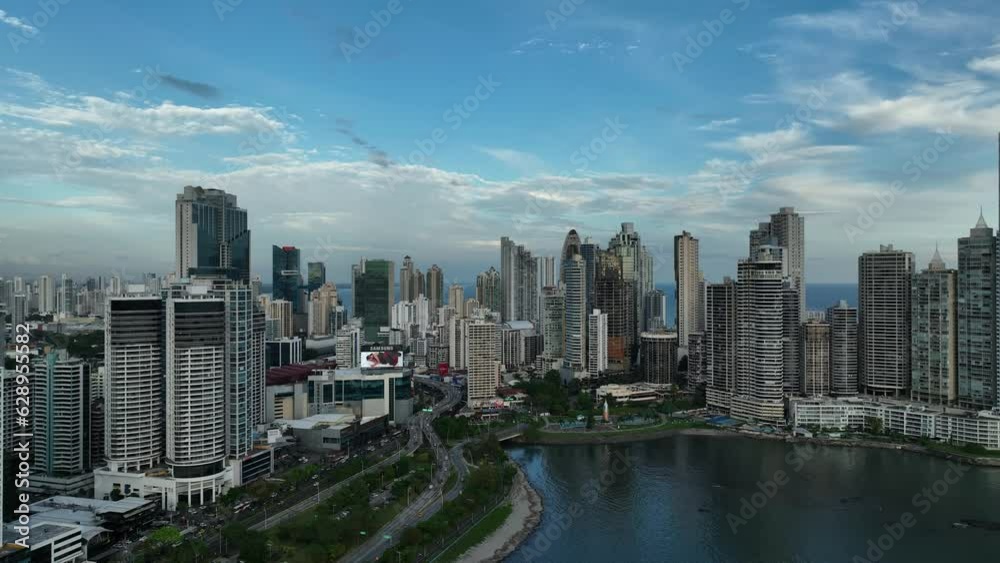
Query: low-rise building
x=336, y=432
x=915, y=420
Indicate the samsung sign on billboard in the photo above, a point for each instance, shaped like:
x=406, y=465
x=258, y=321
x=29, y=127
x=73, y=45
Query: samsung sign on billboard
x=381, y=357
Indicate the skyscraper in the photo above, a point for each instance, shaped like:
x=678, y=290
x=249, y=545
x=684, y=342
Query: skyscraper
x=884, y=293
x=212, y=234
x=654, y=305
x=554, y=336
x=374, y=289
x=843, y=321
x=323, y=302
x=134, y=383
x=791, y=340
x=488, y=289
x=547, y=271
x=589, y=250
x=614, y=295
x=571, y=248
x=518, y=278
x=61, y=415
x=410, y=283
x=483, y=367
x=977, y=330
x=787, y=230
x=760, y=332
x=456, y=298
x=434, y=288
x=46, y=295
x=195, y=362
x=280, y=317
x=688, y=277
x=637, y=271
x=575, y=323
x=286, y=275
x=317, y=276
x=934, y=340
x=597, y=343
x=658, y=357
x=815, y=358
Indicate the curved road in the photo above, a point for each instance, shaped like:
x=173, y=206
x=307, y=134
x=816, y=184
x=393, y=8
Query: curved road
x=430, y=501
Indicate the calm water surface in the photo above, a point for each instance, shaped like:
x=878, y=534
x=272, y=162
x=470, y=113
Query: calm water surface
x=670, y=501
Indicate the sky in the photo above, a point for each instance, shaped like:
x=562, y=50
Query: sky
x=391, y=127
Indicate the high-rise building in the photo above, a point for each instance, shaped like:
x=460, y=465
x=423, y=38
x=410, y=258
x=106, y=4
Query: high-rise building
x=374, y=289
x=410, y=282
x=481, y=353
x=843, y=321
x=434, y=288
x=884, y=293
x=212, y=234
x=815, y=358
x=46, y=296
x=280, y=320
x=575, y=320
x=134, y=383
x=518, y=278
x=456, y=298
x=488, y=289
x=589, y=250
x=349, y=340
x=654, y=305
x=696, y=359
x=323, y=303
x=457, y=340
x=547, y=271
x=787, y=230
x=934, y=334
x=977, y=329
x=613, y=295
x=317, y=276
x=571, y=248
x=688, y=277
x=19, y=309
x=61, y=415
x=195, y=375
x=637, y=272
x=597, y=343
x=658, y=357
x=760, y=332
x=67, y=297
x=286, y=275
x=791, y=340
x=554, y=335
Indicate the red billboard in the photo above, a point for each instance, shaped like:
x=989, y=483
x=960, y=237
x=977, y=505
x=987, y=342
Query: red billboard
x=443, y=369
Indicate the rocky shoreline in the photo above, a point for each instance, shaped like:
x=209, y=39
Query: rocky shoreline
x=506, y=539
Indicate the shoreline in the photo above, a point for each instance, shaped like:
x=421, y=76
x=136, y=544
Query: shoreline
x=582, y=438
x=522, y=522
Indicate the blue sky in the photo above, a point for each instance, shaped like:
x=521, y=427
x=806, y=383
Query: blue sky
x=383, y=128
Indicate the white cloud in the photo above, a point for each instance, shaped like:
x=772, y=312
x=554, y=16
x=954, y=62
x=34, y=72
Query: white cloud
x=990, y=65
x=717, y=124
x=519, y=160
x=17, y=23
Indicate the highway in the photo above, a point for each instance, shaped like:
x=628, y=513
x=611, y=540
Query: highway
x=430, y=501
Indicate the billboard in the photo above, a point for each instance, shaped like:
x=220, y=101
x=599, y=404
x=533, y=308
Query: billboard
x=443, y=369
x=381, y=357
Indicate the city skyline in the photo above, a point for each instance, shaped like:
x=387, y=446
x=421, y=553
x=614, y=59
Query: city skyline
x=106, y=148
